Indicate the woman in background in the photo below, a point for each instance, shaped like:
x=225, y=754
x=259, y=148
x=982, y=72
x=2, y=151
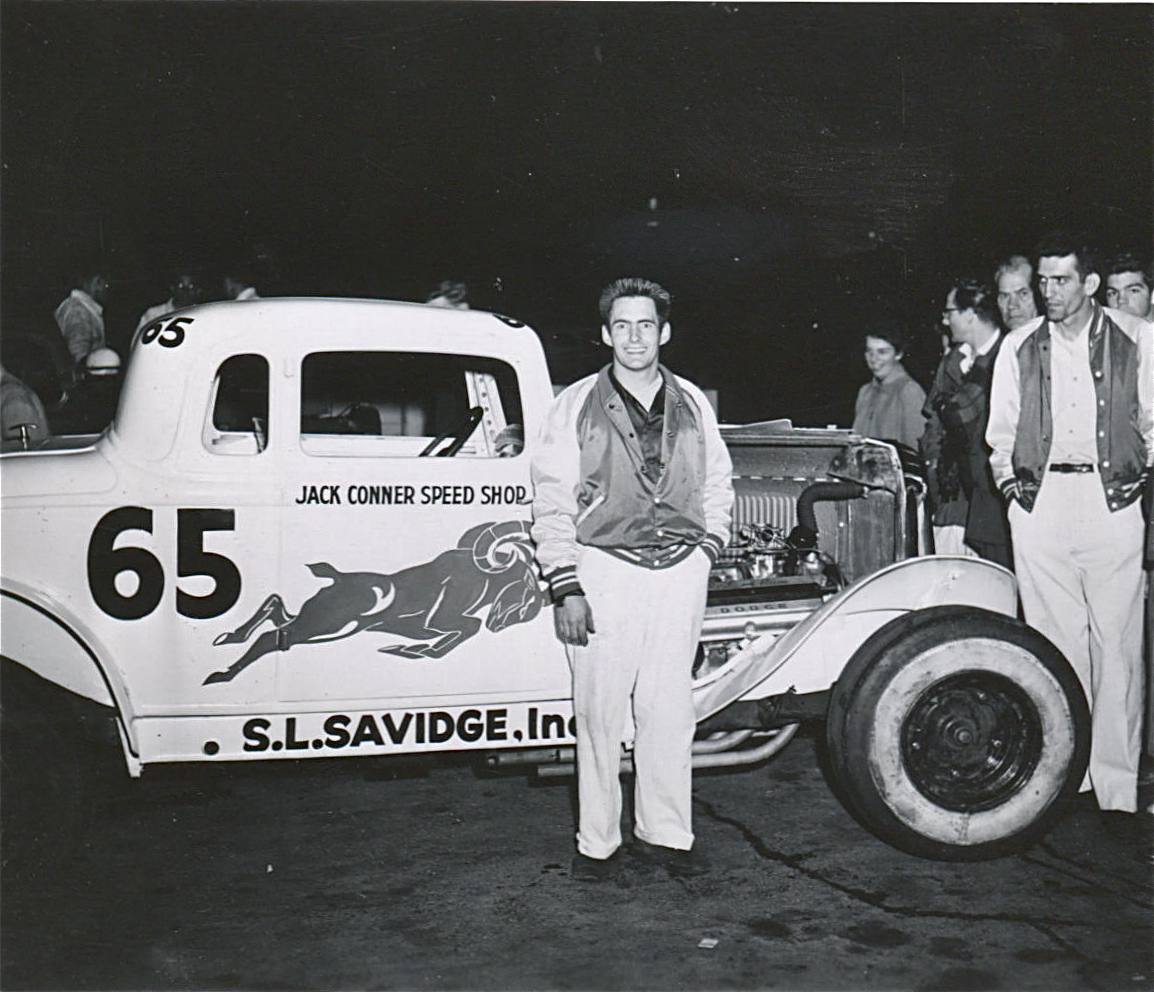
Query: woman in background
x=889, y=406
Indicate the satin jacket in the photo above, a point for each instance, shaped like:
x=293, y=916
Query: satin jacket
x=589, y=488
x=1020, y=429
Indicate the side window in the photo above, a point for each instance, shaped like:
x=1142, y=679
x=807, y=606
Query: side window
x=238, y=424
x=409, y=405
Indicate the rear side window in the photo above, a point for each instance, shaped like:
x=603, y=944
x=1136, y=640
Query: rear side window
x=409, y=405
x=238, y=424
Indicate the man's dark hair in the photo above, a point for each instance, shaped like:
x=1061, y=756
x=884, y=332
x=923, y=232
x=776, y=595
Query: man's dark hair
x=86, y=272
x=636, y=287
x=972, y=293
x=452, y=291
x=190, y=271
x=1131, y=262
x=240, y=273
x=1059, y=244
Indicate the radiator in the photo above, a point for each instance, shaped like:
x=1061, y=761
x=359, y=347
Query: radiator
x=759, y=508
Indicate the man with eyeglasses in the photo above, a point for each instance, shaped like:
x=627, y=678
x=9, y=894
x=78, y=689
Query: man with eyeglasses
x=80, y=315
x=1128, y=284
x=632, y=503
x=1016, y=301
x=1072, y=434
x=954, y=443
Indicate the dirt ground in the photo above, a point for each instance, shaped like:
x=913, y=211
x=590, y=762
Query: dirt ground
x=366, y=874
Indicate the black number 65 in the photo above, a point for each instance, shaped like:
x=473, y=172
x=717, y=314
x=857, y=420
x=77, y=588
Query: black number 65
x=106, y=562
x=170, y=333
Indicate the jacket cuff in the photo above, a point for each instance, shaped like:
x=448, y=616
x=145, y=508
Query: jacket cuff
x=712, y=545
x=1011, y=489
x=563, y=582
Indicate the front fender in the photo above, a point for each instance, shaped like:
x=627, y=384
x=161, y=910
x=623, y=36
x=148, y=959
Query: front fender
x=811, y=656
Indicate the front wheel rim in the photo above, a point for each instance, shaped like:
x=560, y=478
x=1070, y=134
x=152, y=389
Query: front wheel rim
x=971, y=740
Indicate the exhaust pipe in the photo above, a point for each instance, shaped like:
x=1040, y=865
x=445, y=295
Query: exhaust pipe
x=531, y=756
x=723, y=759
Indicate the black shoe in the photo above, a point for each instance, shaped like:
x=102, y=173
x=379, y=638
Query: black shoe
x=587, y=869
x=1135, y=830
x=680, y=864
x=1118, y=824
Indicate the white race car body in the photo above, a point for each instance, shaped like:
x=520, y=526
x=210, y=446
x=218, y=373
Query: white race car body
x=256, y=560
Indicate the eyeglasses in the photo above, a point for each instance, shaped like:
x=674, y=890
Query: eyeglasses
x=946, y=310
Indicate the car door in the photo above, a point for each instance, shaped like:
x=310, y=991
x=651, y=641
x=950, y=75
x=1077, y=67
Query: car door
x=407, y=582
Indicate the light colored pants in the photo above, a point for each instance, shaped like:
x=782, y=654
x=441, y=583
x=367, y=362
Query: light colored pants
x=951, y=540
x=1079, y=570
x=648, y=623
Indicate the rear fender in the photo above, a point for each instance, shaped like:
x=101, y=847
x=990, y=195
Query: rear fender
x=41, y=634
x=810, y=656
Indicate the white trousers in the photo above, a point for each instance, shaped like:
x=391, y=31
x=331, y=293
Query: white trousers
x=951, y=540
x=1079, y=570
x=637, y=664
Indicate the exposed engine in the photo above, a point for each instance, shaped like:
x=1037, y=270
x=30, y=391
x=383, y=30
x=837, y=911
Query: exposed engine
x=769, y=579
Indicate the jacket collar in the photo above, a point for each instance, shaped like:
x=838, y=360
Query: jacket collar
x=1097, y=324
x=606, y=391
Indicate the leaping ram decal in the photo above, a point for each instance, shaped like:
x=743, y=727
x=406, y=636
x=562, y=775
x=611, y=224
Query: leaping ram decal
x=434, y=603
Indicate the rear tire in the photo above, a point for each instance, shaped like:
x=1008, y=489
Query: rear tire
x=954, y=733
x=44, y=763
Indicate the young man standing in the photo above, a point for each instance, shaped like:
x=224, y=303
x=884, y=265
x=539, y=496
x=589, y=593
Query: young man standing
x=1072, y=433
x=633, y=495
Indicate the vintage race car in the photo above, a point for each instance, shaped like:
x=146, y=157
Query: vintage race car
x=306, y=534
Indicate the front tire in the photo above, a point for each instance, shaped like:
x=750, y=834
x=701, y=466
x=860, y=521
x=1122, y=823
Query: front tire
x=953, y=733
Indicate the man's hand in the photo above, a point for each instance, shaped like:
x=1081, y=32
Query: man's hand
x=573, y=620
x=1011, y=490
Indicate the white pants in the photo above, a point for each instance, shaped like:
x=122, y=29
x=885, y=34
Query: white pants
x=951, y=540
x=1079, y=570
x=648, y=623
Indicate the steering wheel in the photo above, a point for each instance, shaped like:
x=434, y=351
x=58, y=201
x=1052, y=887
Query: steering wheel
x=460, y=434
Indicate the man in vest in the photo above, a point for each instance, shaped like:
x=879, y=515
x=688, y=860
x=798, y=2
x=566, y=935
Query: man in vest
x=1072, y=436
x=632, y=503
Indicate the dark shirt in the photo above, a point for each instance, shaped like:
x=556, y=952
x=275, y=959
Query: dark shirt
x=647, y=425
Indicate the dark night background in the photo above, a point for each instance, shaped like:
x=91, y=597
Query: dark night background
x=788, y=171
